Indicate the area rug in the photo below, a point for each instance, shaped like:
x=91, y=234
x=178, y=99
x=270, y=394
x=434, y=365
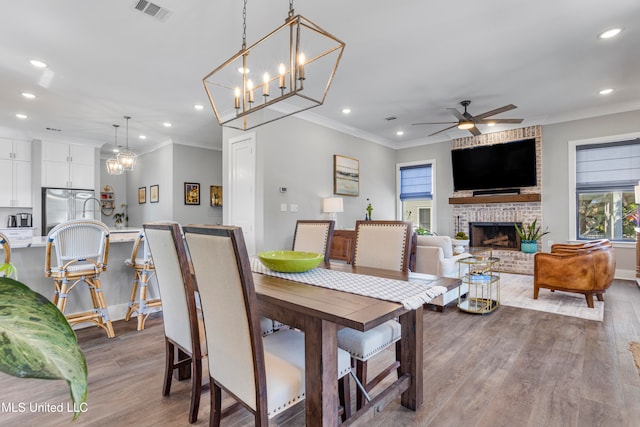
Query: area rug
x=516, y=290
x=634, y=347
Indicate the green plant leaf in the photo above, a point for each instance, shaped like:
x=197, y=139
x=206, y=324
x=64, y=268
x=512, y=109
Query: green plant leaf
x=36, y=340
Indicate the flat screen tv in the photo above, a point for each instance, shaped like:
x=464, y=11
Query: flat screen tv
x=498, y=166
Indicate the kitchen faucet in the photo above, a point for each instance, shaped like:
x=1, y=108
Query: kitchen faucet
x=84, y=205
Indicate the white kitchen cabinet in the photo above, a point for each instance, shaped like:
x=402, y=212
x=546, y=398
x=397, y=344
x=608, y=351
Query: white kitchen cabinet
x=67, y=165
x=15, y=173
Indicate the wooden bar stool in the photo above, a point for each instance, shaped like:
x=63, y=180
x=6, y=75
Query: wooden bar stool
x=81, y=253
x=144, y=270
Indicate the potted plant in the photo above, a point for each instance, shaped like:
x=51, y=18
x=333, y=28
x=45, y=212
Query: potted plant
x=121, y=218
x=38, y=342
x=529, y=236
x=460, y=240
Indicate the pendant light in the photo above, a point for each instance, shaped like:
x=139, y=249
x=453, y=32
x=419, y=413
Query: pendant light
x=127, y=158
x=297, y=63
x=113, y=166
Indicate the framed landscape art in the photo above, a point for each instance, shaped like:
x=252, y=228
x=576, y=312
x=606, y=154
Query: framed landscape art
x=346, y=176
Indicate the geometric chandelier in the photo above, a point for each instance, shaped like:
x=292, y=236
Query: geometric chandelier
x=127, y=158
x=285, y=72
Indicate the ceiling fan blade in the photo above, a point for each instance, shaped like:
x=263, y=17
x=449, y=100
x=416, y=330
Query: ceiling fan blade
x=493, y=112
x=434, y=123
x=486, y=121
x=442, y=130
x=474, y=130
x=457, y=113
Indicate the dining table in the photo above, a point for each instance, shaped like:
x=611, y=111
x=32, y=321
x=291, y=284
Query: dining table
x=320, y=312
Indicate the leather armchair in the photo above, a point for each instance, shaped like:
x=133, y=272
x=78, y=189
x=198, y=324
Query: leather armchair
x=586, y=268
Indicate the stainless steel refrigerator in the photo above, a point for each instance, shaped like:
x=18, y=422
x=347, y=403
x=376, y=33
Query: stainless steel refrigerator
x=61, y=204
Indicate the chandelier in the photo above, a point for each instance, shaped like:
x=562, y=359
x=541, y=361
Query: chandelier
x=287, y=71
x=127, y=158
x=113, y=166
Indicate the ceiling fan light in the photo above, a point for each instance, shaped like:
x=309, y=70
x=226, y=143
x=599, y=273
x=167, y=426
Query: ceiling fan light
x=465, y=124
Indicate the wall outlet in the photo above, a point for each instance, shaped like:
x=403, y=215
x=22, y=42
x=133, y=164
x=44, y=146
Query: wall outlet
x=283, y=207
x=293, y=208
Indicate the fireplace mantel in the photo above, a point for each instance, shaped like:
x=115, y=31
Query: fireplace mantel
x=498, y=198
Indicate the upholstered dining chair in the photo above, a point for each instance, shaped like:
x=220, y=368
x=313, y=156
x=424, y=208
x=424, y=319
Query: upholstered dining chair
x=265, y=374
x=143, y=272
x=385, y=245
x=314, y=236
x=184, y=335
x=81, y=249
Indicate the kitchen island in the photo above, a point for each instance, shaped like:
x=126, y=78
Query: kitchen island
x=116, y=280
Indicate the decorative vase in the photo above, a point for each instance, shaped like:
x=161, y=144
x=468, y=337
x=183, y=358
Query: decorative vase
x=529, y=246
x=458, y=245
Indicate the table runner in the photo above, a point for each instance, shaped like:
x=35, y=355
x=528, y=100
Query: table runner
x=411, y=294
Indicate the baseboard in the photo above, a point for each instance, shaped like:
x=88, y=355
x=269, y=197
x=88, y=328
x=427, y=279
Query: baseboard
x=625, y=274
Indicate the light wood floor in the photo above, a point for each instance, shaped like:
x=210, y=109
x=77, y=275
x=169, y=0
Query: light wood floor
x=513, y=367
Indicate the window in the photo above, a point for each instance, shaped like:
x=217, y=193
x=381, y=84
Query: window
x=416, y=194
x=605, y=178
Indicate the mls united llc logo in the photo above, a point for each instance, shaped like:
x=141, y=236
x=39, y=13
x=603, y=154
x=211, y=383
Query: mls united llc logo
x=29, y=407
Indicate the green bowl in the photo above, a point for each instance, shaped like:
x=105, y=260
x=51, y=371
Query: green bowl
x=290, y=261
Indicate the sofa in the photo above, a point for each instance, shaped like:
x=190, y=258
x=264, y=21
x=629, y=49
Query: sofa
x=434, y=255
x=587, y=268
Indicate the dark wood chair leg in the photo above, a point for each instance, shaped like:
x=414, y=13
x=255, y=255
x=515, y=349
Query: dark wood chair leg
x=589, y=298
x=168, y=370
x=344, y=393
x=600, y=296
x=536, y=291
x=196, y=389
x=361, y=373
x=216, y=404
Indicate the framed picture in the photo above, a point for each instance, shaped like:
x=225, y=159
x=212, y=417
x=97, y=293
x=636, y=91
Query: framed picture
x=216, y=195
x=154, y=193
x=142, y=195
x=346, y=176
x=191, y=193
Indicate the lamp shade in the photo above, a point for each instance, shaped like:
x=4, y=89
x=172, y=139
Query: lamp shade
x=332, y=205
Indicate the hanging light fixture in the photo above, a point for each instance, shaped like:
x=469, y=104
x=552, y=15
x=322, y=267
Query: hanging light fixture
x=113, y=166
x=127, y=158
x=295, y=63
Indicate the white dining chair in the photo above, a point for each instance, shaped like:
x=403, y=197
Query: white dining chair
x=185, y=344
x=384, y=245
x=314, y=236
x=81, y=250
x=265, y=374
x=141, y=262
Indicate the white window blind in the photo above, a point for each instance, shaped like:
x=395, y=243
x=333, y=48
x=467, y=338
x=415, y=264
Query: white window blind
x=416, y=182
x=606, y=166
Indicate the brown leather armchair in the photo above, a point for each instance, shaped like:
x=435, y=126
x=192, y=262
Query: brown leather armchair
x=585, y=268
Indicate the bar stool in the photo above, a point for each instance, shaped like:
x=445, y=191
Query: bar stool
x=81, y=253
x=144, y=270
x=7, y=268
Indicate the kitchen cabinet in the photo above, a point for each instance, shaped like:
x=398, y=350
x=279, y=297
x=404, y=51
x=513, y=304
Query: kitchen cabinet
x=15, y=173
x=68, y=165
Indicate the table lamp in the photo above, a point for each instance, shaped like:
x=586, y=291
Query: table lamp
x=332, y=205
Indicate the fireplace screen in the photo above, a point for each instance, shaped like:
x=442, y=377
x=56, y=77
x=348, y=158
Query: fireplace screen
x=499, y=235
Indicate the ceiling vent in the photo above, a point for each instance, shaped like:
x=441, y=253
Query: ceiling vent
x=153, y=10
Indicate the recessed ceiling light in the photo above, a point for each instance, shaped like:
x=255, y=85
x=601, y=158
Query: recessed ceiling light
x=143, y=137
x=610, y=33
x=346, y=110
x=605, y=91
x=38, y=64
x=198, y=107
x=400, y=133
x=167, y=124
x=28, y=95
x=21, y=116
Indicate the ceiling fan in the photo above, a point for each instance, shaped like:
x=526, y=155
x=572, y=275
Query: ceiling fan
x=468, y=122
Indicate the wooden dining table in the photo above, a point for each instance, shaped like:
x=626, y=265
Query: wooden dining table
x=321, y=312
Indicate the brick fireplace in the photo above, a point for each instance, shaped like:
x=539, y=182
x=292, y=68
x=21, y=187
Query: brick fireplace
x=489, y=219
